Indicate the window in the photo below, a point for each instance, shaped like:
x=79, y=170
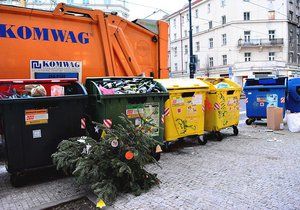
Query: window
x=271, y=56
x=176, y=67
x=223, y=19
x=186, y=66
x=175, y=51
x=246, y=0
x=211, y=62
x=85, y=1
x=197, y=46
x=271, y=15
x=224, y=60
x=196, y=13
x=70, y=1
x=224, y=39
x=246, y=15
x=211, y=43
x=186, y=49
x=208, y=8
x=271, y=35
x=291, y=15
x=175, y=36
x=247, y=57
x=174, y=23
x=223, y=3
x=185, y=33
x=210, y=25
x=197, y=29
x=182, y=19
x=187, y=17
x=291, y=55
x=247, y=36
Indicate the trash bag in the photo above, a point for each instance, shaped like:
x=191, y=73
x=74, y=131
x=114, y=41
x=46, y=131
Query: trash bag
x=293, y=122
x=222, y=85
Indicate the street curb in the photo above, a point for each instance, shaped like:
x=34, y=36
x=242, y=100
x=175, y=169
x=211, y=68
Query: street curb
x=59, y=202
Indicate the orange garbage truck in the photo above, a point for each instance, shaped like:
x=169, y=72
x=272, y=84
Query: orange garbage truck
x=74, y=42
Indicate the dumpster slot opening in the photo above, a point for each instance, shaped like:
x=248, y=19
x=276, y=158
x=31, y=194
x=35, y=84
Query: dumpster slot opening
x=264, y=89
x=188, y=94
x=230, y=92
x=139, y=100
x=298, y=90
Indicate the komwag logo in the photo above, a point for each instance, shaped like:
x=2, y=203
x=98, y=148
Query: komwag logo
x=55, y=66
x=43, y=34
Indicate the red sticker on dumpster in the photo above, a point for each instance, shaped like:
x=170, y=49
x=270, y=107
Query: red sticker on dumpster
x=36, y=116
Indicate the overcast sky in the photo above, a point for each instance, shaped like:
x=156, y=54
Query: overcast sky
x=139, y=11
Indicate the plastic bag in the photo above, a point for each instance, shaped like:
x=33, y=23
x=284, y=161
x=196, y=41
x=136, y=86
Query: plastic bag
x=36, y=90
x=57, y=90
x=293, y=122
x=222, y=85
x=106, y=91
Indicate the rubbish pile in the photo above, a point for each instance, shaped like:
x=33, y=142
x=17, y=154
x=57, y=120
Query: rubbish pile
x=33, y=90
x=128, y=86
x=27, y=92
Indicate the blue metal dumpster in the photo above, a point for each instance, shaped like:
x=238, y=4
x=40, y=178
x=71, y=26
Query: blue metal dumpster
x=262, y=93
x=293, y=97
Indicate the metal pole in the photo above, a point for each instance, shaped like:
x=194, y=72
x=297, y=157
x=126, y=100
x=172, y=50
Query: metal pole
x=192, y=57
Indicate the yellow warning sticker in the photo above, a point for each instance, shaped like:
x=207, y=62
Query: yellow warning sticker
x=36, y=116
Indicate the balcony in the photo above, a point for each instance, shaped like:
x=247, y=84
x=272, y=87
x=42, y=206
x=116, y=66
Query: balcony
x=260, y=43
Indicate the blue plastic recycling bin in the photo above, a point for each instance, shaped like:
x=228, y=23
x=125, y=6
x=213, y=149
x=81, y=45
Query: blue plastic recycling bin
x=293, y=97
x=262, y=93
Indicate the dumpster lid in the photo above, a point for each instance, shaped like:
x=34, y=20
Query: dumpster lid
x=215, y=81
x=182, y=84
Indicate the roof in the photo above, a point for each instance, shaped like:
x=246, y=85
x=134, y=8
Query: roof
x=185, y=7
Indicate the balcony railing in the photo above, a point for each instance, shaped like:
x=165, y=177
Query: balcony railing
x=260, y=42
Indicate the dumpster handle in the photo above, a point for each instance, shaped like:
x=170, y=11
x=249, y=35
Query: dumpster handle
x=264, y=89
x=230, y=92
x=188, y=94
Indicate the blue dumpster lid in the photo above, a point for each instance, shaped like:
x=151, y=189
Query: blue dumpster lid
x=273, y=81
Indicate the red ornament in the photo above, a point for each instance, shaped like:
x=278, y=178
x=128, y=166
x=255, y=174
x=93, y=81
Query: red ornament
x=129, y=155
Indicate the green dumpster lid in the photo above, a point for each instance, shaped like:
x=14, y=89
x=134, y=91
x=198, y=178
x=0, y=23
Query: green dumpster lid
x=183, y=83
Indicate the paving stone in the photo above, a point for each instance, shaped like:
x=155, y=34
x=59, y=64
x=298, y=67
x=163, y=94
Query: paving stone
x=250, y=171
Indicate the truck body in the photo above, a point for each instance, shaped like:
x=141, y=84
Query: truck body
x=78, y=42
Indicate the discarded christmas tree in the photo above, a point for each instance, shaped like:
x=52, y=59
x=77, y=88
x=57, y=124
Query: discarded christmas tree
x=113, y=165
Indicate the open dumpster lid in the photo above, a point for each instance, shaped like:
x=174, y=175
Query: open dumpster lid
x=182, y=84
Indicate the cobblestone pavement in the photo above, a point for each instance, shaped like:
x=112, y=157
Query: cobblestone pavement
x=256, y=170
x=36, y=194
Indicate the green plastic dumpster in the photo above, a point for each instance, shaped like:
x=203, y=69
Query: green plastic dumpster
x=139, y=99
x=35, y=116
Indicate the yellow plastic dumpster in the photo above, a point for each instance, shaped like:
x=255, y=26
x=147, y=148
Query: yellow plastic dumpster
x=184, y=110
x=222, y=105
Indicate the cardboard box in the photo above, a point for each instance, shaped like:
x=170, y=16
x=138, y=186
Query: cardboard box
x=274, y=118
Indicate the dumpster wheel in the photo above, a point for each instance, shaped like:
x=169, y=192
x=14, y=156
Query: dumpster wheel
x=218, y=135
x=250, y=121
x=235, y=130
x=202, y=140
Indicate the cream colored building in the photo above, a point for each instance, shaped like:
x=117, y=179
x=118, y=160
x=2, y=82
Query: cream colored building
x=240, y=38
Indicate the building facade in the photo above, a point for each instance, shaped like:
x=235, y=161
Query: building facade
x=118, y=6
x=238, y=39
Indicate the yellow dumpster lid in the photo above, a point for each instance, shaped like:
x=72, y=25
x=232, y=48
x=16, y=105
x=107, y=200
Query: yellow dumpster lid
x=212, y=81
x=181, y=83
